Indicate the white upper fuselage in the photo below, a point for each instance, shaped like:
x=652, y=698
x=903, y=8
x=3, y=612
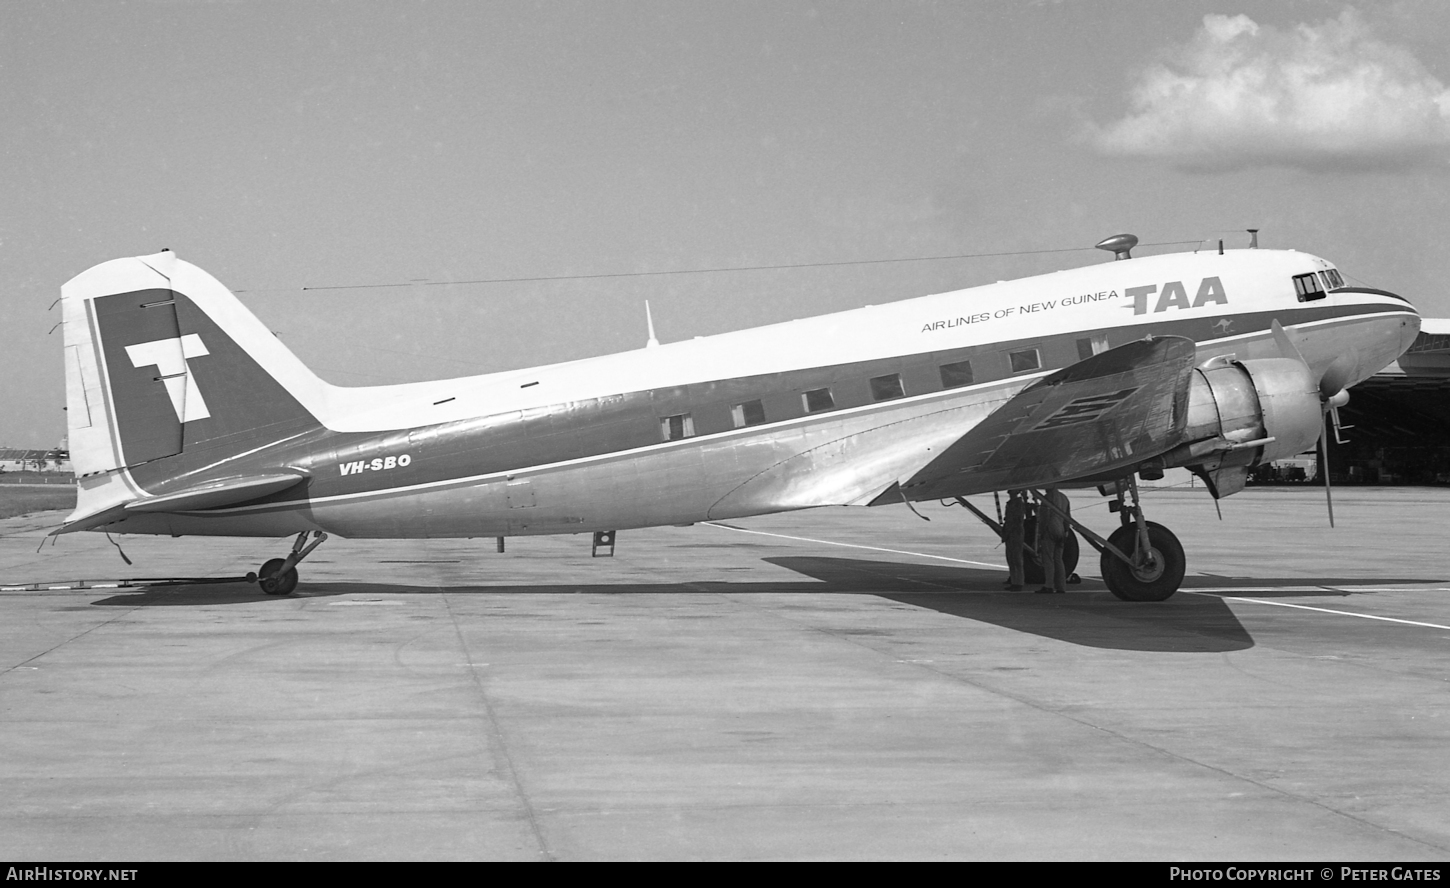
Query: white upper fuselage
x=1092, y=297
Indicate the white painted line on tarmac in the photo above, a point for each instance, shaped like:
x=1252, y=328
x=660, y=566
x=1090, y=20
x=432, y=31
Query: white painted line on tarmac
x=856, y=546
x=1388, y=588
x=1326, y=590
x=1323, y=610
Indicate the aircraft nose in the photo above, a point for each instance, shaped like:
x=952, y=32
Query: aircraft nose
x=1409, y=331
x=1410, y=326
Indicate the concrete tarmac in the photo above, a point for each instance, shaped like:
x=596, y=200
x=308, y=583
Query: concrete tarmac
x=841, y=684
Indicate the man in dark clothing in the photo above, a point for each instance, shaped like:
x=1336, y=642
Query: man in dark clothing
x=1051, y=536
x=1014, y=535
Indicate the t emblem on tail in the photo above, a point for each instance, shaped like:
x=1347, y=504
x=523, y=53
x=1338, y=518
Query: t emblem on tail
x=170, y=363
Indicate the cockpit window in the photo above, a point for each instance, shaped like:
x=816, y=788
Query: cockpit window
x=1333, y=278
x=1306, y=286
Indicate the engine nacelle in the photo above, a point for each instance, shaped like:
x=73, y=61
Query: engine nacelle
x=1236, y=407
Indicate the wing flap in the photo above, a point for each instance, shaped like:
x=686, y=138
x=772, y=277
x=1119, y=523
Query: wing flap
x=1106, y=412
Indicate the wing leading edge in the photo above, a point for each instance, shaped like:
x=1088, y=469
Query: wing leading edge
x=1105, y=413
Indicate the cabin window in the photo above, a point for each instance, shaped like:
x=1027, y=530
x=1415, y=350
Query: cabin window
x=748, y=414
x=884, y=388
x=673, y=428
x=1306, y=287
x=956, y=375
x=1027, y=359
x=817, y=400
x=1092, y=345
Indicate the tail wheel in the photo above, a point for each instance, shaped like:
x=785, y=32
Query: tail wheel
x=1159, y=575
x=274, y=581
x=1032, y=568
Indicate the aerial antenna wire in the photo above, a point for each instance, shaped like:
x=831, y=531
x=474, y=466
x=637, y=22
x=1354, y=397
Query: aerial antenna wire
x=629, y=274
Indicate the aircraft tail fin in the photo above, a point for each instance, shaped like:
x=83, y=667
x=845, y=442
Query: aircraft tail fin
x=163, y=362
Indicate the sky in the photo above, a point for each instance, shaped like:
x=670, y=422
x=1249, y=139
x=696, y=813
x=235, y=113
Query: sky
x=341, y=165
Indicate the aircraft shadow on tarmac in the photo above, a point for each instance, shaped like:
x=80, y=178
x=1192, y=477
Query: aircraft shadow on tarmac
x=1088, y=615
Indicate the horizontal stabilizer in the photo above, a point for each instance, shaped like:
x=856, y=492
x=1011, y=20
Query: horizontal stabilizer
x=215, y=494
x=1102, y=414
x=91, y=521
x=209, y=495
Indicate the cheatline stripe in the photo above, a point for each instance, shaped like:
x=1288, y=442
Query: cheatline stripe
x=1322, y=610
x=853, y=545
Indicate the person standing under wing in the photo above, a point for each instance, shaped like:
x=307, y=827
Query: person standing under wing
x=1051, y=536
x=1014, y=535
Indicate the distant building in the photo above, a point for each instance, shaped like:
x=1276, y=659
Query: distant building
x=1400, y=418
x=17, y=460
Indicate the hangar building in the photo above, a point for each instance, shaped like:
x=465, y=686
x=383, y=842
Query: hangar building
x=1400, y=418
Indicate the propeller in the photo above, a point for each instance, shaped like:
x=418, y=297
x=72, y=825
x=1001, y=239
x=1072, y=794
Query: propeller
x=1332, y=403
x=1324, y=468
x=1331, y=395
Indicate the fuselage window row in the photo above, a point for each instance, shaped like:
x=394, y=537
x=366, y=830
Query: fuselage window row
x=891, y=386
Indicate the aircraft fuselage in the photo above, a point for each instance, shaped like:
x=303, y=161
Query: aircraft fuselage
x=829, y=410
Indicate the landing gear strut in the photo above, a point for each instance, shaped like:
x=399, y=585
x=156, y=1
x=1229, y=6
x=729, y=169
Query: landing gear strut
x=278, y=576
x=1141, y=560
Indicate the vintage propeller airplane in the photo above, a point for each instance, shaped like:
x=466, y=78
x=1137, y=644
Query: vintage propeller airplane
x=187, y=416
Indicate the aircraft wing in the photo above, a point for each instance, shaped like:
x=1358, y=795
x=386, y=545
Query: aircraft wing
x=1101, y=414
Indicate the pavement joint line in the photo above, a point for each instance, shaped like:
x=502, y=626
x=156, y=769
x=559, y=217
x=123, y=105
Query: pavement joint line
x=1322, y=610
x=498, y=737
x=78, y=635
x=853, y=545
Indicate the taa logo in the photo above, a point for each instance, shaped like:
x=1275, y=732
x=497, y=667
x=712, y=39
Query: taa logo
x=169, y=357
x=1174, y=295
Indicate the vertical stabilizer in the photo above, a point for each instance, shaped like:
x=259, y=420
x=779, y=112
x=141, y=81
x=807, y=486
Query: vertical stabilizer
x=166, y=369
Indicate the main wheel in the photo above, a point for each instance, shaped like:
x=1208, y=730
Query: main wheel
x=1032, y=568
x=273, y=581
x=1158, y=578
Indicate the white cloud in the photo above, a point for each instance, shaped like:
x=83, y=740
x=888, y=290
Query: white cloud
x=1320, y=96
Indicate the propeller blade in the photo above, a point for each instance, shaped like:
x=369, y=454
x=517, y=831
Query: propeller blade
x=1324, y=467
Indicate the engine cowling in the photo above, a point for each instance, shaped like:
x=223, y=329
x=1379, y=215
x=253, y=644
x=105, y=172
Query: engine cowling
x=1246, y=413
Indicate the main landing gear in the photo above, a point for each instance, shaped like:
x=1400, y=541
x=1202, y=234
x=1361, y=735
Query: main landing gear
x=278, y=576
x=1140, y=561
